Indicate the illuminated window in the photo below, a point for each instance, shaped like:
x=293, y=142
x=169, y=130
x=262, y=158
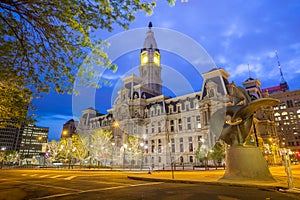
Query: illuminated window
x=181, y=144
x=156, y=60
x=198, y=121
x=179, y=124
x=144, y=58
x=190, y=144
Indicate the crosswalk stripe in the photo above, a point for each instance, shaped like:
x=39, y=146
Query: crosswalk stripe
x=70, y=178
x=56, y=176
x=32, y=175
x=43, y=176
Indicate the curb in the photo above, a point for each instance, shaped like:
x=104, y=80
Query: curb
x=223, y=183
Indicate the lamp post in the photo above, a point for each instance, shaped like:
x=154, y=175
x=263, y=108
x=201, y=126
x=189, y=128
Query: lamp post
x=2, y=155
x=112, y=154
x=124, y=152
x=144, y=148
x=43, y=149
x=205, y=151
x=123, y=147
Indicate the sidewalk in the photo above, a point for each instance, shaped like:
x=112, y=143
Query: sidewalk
x=213, y=176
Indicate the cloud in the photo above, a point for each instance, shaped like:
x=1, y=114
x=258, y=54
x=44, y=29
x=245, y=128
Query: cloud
x=166, y=24
x=221, y=59
x=293, y=65
x=55, y=123
x=57, y=117
x=233, y=30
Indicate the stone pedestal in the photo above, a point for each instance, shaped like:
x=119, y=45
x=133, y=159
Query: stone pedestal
x=246, y=164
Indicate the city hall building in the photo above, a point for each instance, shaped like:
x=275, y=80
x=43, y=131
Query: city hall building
x=171, y=129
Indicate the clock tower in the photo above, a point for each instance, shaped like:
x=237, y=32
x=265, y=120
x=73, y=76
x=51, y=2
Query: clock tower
x=150, y=69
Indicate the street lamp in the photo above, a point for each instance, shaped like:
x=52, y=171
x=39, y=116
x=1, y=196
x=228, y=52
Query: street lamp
x=205, y=151
x=144, y=148
x=118, y=139
x=124, y=152
x=2, y=156
x=112, y=153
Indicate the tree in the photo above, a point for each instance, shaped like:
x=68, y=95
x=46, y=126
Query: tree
x=2, y=157
x=11, y=156
x=14, y=104
x=43, y=43
x=99, y=144
x=134, y=147
x=218, y=153
x=78, y=148
x=200, y=154
x=52, y=151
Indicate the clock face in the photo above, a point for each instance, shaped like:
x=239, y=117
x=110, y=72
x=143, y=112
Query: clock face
x=155, y=60
x=144, y=59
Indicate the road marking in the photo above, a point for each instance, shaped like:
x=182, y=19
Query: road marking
x=56, y=176
x=95, y=190
x=110, y=183
x=24, y=174
x=43, y=176
x=32, y=175
x=70, y=178
x=50, y=186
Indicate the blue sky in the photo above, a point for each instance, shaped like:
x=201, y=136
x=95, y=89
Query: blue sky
x=234, y=33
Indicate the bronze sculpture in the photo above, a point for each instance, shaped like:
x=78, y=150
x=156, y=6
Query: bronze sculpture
x=233, y=123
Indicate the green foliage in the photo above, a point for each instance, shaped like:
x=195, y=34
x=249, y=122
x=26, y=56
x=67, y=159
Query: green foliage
x=100, y=144
x=14, y=104
x=11, y=156
x=43, y=44
x=218, y=153
x=78, y=149
x=134, y=143
x=200, y=154
x=53, y=150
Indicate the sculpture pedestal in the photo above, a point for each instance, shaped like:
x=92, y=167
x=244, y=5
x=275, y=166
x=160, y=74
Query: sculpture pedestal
x=246, y=163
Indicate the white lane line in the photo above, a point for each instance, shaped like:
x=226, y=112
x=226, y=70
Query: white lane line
x=70, y=178
x=43, y=176
x=32, y=175
x=49, y=186
x=56, y=176
x=95, y=190
x=110, y=183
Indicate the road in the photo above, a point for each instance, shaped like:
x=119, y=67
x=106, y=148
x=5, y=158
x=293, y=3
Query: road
x=59, y=184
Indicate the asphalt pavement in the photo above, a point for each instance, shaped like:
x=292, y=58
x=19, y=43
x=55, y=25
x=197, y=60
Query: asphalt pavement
x=213, y=176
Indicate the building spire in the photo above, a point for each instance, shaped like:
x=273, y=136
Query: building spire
x=150, y=42
x=278, y=62
x=249, y=71
x=283, y=84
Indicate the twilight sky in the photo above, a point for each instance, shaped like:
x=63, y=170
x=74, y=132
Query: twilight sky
x=237, y=35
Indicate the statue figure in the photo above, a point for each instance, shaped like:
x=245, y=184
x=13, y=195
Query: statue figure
x=233, y=123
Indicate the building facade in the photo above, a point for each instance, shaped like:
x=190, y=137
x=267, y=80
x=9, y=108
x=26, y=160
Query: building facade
x=170, y=129
x=264, y=132
x=287, y=118
x=10, y=138
x=33, y=144
x=69, y=128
